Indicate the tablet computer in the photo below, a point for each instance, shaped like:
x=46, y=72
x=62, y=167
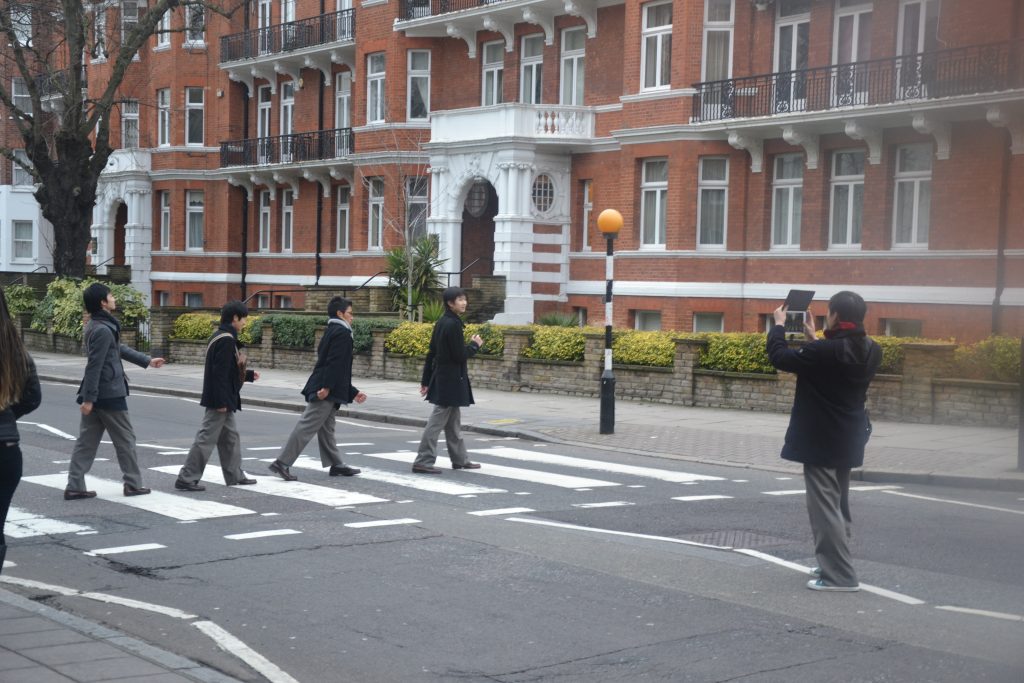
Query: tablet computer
x=798, y=300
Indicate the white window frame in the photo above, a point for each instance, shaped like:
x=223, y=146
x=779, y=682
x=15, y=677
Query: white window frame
x=165, y=220
x=343, y=100
x=20, y=17
x=264, y=115
x=287, y=221
x=343, y=202
x=715, y=185
x=129, y=17
x=717, y=26
x=573, y=74
x=647, y=321
x=15, y=242
x=286, y=123
x=417, y=202
x=415, y=75
x=99, y=33
x=163, y=32
x=193, y=299
x=707, y=316
x=922, y=36
x=492, y=84
x=287, y=11
x=163, y=299
x=193, y=209
x=263, y=301
x=266, y=220
x=130, y=124
x=191, y=107
x=792, y=189
x=20, y=95
x=850, y=182
x=856, y=10
x=375, y=213
x=163, y=117
x=586, y=214
x=19, y=176
x=194, y=38
x=532, y=65
x=376, y=92
x=912, y=181
x=661, y=34
x=892, y=324
x=659, y=190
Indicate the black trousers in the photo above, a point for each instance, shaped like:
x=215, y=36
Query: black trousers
x=10, y=475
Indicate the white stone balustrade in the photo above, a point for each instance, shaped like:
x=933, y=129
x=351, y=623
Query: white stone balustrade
x=539, y=122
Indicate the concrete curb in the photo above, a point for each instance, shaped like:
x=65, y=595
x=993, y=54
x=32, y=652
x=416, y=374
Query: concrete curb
x=862, y=474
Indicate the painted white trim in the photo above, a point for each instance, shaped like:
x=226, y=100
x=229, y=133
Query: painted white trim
x=183, y=148
x=652, y=95
x=206, y=254
x=844, y=254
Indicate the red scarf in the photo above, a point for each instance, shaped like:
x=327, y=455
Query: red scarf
x=841, y=326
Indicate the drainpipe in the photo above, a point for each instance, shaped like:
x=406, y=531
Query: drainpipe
x=319, y=190
x=245, y=197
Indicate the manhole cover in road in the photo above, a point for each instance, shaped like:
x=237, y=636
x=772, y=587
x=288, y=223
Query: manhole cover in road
x=737, y=539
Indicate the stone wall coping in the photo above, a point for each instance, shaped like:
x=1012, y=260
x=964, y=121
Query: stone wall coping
x=743, y=375
x=690, y=342
x=549, y=361
x=976, y=383
x=643, y=368
x=517, y=333
x=194, y=342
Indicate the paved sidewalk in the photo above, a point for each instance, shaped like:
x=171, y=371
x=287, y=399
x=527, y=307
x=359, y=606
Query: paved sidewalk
x=898, y=452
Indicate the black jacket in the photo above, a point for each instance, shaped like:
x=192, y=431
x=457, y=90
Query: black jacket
x=333, y=368
x=828, y=426
x=445, y=373
x=104, y=371
x=31, y=397
x=222, y=384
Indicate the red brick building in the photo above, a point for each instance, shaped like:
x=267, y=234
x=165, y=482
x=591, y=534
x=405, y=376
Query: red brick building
x=750, y=146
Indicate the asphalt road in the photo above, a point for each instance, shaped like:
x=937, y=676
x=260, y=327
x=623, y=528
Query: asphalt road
x=549, y=564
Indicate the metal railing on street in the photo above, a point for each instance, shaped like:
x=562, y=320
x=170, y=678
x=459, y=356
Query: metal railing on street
x=320, y=145
x=294, y=35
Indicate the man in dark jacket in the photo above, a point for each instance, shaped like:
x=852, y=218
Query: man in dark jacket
x=327, y=388
x=102, y=396
x=222, y=385
x=828, y=426
x=445, y=383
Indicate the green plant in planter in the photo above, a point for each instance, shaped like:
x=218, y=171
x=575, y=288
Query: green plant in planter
x=423, y=273
x=20, y=299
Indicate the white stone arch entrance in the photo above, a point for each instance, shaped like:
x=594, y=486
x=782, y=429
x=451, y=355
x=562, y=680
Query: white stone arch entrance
x=126, y=181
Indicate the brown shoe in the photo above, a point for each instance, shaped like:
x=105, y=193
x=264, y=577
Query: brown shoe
x=426, y=469
x=281, y=470
x=78, y=495
x=466, y=466
x=183, y=485
x=132, y=491
x=244, y=481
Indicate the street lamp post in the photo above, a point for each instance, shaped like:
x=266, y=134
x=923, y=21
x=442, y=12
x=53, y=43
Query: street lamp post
x=609, y=222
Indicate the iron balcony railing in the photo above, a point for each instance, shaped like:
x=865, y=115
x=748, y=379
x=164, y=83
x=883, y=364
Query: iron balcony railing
x=295, y=35
x=415, y=9
x=320, y=145
x=927, y=75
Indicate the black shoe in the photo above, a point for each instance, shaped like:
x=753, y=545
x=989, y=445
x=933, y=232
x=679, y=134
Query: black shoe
x=244, y=481
x=466, y=466
x=78, y=495
x=426, y=469
x=132, y=491
x=183, y=485
x=343, y=471
x=281, y=470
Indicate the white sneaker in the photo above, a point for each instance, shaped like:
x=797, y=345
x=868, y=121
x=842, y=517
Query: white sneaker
x=816, y=572
x=820, y=585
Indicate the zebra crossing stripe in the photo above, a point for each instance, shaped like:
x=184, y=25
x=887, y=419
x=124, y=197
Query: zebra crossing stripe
x=272, y=485
x=174, y=506
x=24, y=524
x=125, y=549
x=597, y=465
x=414, y=481
x=490, y=470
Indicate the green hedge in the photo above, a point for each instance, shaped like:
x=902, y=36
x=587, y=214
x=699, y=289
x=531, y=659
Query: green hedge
x=556, y=343
x=199, y=326
x=20, y=299
x=995, y=359
x=413, y=339
x=736, y=352
x=64, y=307
x=362, y=337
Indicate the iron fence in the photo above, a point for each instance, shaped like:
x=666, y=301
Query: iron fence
x=318, y=145
x=294, y=35
x=416, y=9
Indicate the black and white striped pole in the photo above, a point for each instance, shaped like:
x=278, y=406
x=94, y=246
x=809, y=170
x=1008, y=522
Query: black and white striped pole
x=609, y=222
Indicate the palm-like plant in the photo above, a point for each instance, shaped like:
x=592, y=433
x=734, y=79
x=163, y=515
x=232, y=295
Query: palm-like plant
x=424, y=263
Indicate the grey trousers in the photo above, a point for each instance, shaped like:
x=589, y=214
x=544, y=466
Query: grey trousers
x=828, y=506
x=317, y=418
x=90, y=431
x=220, y=430
x=448, y=418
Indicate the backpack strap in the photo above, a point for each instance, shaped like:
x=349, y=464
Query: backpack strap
x=217, y=338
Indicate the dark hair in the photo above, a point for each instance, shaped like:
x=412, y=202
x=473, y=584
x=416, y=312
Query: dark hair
x=94, y=295
x=338, y=305
x=14, y=369
x=450, y=294
x=231, y=310
x=849, y=306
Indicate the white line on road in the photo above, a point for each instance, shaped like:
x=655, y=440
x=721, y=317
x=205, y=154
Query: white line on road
x=415, y=481
x=609, y=504
x=300, y=490
x=612, y=532
x=173, y=506
x=261, y=534
x=23, y=524
x=125, y=549
x=263, y=448
x=793, y=492
x=790, y=492
x=981, y=612
x=382, y=522
x=366, y=426
x=501, y=511
x=48, y=428
x=182, y=452
x=535, y=476
x=696, y=498
x=598, y=465
x=236, y=647
x=958, y=502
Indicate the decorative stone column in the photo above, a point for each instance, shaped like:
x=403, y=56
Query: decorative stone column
x=686, y=359
x=515, y=342
x=138, y=239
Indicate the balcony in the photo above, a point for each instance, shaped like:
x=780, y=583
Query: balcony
x=940, y=75
x=552, y=125
x=316, y=42
x=297, y=148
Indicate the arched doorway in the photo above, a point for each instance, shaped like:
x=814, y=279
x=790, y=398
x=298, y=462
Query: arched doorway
x=478, y=214
x=120, y=221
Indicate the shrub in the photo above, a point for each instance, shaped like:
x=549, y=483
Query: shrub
x=559, y=319
x=252, y=333
x=433, y=309
x=20, y=299
x=64, y=307
x=494, y=340
x=995, y=359
x=291, y=330
x=644, y=348
x=412, y=339
x=362, y=337
x=736, y=352
x=556, y=343
x=194, y=326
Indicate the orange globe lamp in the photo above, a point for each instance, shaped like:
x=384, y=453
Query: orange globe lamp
x=609, y=222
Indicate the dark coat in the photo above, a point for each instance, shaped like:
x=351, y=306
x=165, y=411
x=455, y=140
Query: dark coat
x=828, y=426
x=445, y=373
x=333, y=369
x=104, y=372
x=31, y=397
x=222, y=385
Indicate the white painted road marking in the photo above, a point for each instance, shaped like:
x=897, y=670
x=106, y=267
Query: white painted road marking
x=415, y=481
x=173, y=506
x=274, y=486
x=261, y=534
x=236, y=647
x=24, y=524
x=535, y=476
x=609, y=504
x=696, y=498
x=382, y=522
x=125, y=549
x=981, y=613
x=793, y=492
x=613, y=532
x=48, y=428
x=958, y=502
x=598, y=465
x=366, y=426
x=501, y=511
x=263, y=448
